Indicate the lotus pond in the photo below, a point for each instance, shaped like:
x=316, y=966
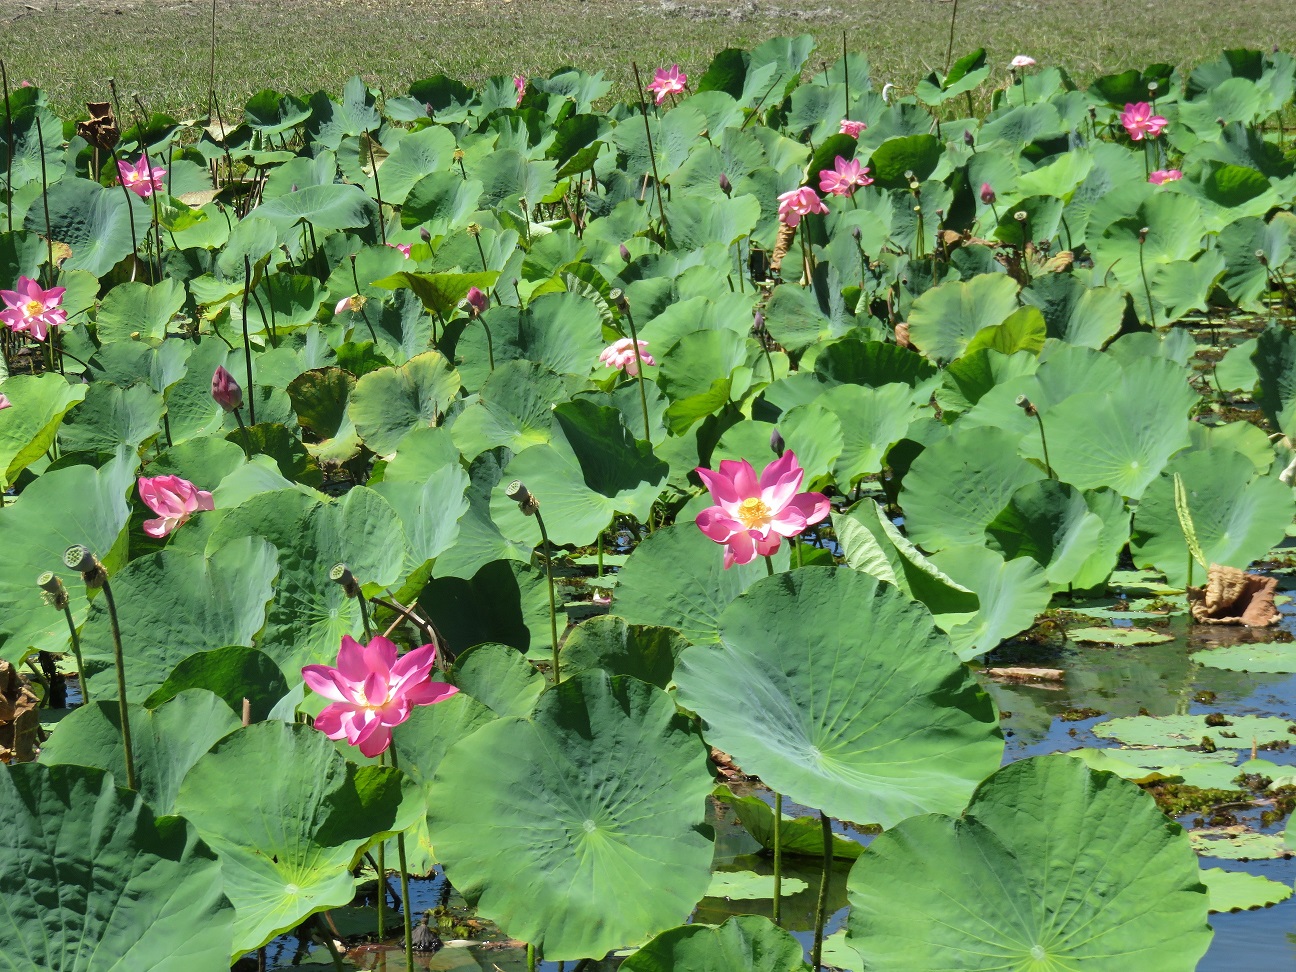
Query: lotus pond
x=773, y=522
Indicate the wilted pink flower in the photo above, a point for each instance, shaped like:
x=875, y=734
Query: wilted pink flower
x=752, y=516
x=477, y=301
x=519, y=82
x=225, y=390
x=844, y=177
x=1139, y=121
x=5, y=403
x=666, y=82
x=1161, y=176
x=796, y=203
x=371, y=690
x=30, y=308
x=851, y=128
x=352, y=303
x=987, y=194
x=173, y=500
x=1022, y=61
x=403, y=247
x=621, y=355
x=140, y=178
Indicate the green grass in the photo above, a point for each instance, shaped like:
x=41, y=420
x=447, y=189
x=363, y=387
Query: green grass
x=160, y=49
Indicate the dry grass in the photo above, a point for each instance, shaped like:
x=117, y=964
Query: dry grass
x=160, y=48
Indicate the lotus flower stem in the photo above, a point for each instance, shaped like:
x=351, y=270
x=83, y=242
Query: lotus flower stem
x=247, y=439
x=531, y=957
x=426, y=628
x=778, y=841
x=1027, y=406
x=49, y=237
x=949, y=54
x=341, y=575
x=57, y=595
x=274, y=323
x=769, y=568
x=380, y=868
x=247, y=342
x=1147, y=291
x=639, y=376
x=553, y=607
x=326, y=935
x=382, y=223
x=404, y=880
x=355, y=279
x=652, y=155
x=821, y=906
x=4, y=81
x=130, y=211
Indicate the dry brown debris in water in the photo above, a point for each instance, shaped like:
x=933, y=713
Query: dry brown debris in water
x=1232, y=596
x=726, y=767
x=101, y=130
x=19, y=718
x=1011, y=674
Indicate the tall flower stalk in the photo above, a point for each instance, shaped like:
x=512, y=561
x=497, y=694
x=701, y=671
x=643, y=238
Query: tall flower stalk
x=530, y=506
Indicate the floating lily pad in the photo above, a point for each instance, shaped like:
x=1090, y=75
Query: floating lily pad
x=1276, y=659
x=749, y=884
x=1188, y=730
x=1205, y=770
x=1239, y=891
x=1238, y=844
x=1119, y=636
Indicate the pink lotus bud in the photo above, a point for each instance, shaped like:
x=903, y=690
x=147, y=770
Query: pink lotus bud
x=625, y=253
x=987, y=194
x=226, y=391
x=477, y=301
x=725, y=185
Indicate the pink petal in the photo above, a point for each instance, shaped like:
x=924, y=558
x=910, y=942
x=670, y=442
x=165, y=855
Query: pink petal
x=374, y=739
x=720, y=485
x=380, y=655
x=743, y=476
x=422, y=658
x=329, y=721
x=351, y=660
x=741, y=549
x=429, y=693
x=160, y=527
x=329, y=682
x=717, y=524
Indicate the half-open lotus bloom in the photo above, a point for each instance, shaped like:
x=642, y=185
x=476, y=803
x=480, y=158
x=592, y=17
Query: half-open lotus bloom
x=140, y=178
x=32, y=309
x=844, y=176
x=519, y=82
x=1161, y=176
x=1022, y=61
x=668, y=82
x=751, y=515
x=173, y=499
x=403, y=247
x=1139, y=121
x=851, y=128
x=477, y=301
x=796, y=203
x=621, y=355
x=372, y=690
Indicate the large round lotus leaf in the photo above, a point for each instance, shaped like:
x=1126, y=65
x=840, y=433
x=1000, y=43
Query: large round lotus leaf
x=597, y=470
x=1123, y=435
x=957, y=486
x=696, y=220
x=1171, y=225
x=839, y=691
x=504, y=602
x=748, y=942
x=698, y=374
x=1052, y=523
x=1075, y=313
x=1052, y=866
x=166, y=742
x=748, y=885
x=133, y=307
x=1205, y=770
x=872, y=420
x=1237, y=516
x=1236, y=732
x=798, y=836
x=289, y=853
x=814, y=434
x=235, y=673
x=95, y=221
x=514, y=408
x=796, y=319
x=563, y=332
x=642, y=651
x=871, y=363
x=310, y=613
x=387, y=403
x=676, y=579
x=331, y=207
x=78, y=504
x=546, y=866
x=1277, y=659
x=1239, y=844
x=945, y=319
x=95, y=883
x=1274, y=359
x=27, y=428
x=1011, y=595
x=500, y=677
x=112, y=416
x=174, y=603
x=1239, y=891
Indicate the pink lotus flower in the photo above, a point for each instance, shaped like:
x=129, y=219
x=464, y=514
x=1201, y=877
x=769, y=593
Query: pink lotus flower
x=666, y=82
x=32, y=309
x=752, y=516
x=851, y=128
x=352, y=303
x=174, y=500
x=844, y=177
x=1022, y=61
x=5, y=403
x=1161, y=176
x=987, y=194
x=477, y=301
x=621, y=355
x=519, y=82
x=140, y=178
x=796, y=203
x=371, y=691
x=1139, y=121
x=403, y=247
x=226, y=390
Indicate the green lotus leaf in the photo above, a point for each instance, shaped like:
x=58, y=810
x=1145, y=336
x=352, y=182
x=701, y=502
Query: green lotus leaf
x=748, y=885
x=674, y=135
x=1022, y=330
x=1011, y=595
x=234, y=673
x=871, y=363
x=815, y=434
x=1125, y=636
x=1171, y=226
x=94, y=882
x=387, y=403
x=331, y=121
x=508, y=176
x=563, y=332
x=1239, y=844
x=644, y=652
x=336, y=206
x=1237, y=515
x=1239, y=891
x=1278, y=659
x=873, y=728
x=504, y=602
x=416, y=155
x=899, y=160
x=441, y=201
x=699, y=374
x=872, y=421
x=95, y=221
x=1053, y=863
x=747, y=942
x=944, y=320
x=317, y=814
x=697, y=221
x=1237, y=732
x=166, y=742
x=676, y=579
x=956, y=487
x=543, y=868
x=38, y=404
x=1274, y=359
x=1242, y=242
x=174, y=603
x=1074, y=313
x=285, y=301
x=319, y=399
x=131, y=308
x=112, y=416
x=34, y=146
x=500, y=678
x=800, y=317
x=798, y=836
x=441, y=293
x=1056, y=525
x=272, y=113
x=514, y=408
x=310, y=614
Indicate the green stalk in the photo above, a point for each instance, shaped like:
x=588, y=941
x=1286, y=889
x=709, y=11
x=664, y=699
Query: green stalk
x=821, y=906
x=778, y=855
x=553, y=606
x=1044, y=445
x=76, y=653
x=639, y=366
x=247, y=439
x=120, y=661
x=404, y=880
x=247, y=342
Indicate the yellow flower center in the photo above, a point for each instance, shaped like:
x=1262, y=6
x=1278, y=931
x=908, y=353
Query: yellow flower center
x=33, y=307
x=752, y=513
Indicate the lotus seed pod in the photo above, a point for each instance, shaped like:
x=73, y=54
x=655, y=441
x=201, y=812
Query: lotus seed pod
x=78, y=557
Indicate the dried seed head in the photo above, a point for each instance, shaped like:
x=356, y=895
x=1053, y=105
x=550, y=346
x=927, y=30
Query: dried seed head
x=1027, y=406
x=341, y=575
x=518, y=492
